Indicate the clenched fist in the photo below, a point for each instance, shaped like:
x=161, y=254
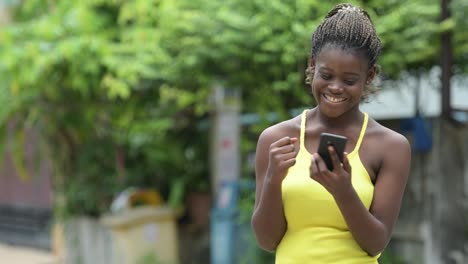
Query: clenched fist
x=282, y=156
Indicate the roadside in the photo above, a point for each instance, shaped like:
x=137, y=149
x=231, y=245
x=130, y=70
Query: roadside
x=11, y=254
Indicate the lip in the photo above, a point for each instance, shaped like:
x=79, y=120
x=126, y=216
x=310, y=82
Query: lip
x=334, y=99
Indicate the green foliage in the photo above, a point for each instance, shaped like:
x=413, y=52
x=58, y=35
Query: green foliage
x=460, y=45
x=117, y=88
x=149, y=258
x=407, y=29
x=87, y=76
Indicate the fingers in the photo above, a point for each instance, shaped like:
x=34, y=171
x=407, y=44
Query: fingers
x=318, y=169
x=284, y=141
x=284, y=145
x=320, y=165
x=286, y=157
x=313, y=166
x=293, y=140
x=288, y=160
x=283, y=154
x=334, y=157
x=346, y=165
x=334, y=181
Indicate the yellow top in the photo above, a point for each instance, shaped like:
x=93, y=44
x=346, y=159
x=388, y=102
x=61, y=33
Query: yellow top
x=317, y=231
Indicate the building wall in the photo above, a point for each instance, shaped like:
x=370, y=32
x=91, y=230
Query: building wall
x=27, y=185
x=433, y=224
x=26, y=198
x=400, y=99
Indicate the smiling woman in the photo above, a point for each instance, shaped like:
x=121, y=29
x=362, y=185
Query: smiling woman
x=340, y=76
x=304, y=211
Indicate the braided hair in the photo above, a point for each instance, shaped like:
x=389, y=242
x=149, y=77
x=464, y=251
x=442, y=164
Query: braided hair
x=350, y=28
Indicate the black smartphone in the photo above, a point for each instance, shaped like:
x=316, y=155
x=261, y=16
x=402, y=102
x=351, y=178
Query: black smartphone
x=337, y=141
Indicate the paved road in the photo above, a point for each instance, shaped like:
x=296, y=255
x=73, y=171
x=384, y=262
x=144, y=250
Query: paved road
x=23, y=255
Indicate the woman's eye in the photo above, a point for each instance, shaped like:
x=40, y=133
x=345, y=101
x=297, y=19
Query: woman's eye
x=325, y=76
x=348, y=82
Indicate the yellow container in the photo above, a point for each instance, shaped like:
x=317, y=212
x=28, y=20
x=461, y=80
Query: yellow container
x=145, y=234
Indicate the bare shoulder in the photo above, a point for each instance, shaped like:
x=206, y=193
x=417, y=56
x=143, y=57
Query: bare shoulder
x=287, y=128
x=388, y=138
x=386, y=149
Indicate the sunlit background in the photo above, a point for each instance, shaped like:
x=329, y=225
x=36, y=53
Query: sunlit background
x=129, y=127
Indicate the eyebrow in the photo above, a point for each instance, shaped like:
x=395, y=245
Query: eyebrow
x=345, y=73
x=352, y=73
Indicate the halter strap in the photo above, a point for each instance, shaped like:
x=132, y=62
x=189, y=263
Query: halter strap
x=363, y=132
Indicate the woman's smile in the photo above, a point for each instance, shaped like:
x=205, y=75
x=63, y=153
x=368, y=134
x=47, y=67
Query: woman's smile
x=333, y=98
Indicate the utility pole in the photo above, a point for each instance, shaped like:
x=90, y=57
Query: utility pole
x=225, y=172
x=446, y=61
x=225, y=140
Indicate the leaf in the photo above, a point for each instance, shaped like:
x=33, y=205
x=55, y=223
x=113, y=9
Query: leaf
x=116, y=88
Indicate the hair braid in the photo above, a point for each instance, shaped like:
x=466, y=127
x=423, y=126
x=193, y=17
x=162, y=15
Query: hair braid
x=347, y=27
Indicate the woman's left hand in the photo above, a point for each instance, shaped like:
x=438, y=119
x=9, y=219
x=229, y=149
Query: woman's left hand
x=336, y=181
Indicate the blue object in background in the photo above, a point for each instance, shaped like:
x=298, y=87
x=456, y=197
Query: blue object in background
x=422, y=133
x=224, y=225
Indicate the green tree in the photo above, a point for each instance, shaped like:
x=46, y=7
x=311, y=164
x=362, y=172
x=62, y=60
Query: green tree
x=459, y=24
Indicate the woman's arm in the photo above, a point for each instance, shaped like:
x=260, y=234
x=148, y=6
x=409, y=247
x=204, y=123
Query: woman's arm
x=372, y=229
x=273, y=158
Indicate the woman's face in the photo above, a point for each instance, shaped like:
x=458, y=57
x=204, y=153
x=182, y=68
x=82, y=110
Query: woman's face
x=339, y=80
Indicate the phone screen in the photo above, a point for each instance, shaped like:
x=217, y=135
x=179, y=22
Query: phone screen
x=337, y=141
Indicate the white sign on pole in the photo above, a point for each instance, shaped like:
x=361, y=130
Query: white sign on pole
x=226, y=137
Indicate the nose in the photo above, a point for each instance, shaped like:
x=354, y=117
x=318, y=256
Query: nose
x=335, y=87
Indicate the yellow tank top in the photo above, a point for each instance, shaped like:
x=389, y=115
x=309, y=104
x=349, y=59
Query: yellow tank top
x=317, y=231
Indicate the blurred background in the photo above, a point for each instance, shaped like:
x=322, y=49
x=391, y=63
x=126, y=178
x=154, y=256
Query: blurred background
x=129, y=127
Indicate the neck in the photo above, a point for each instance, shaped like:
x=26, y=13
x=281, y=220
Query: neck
x=339, y=123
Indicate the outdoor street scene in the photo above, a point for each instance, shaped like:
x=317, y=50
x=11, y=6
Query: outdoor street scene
x=233, y=132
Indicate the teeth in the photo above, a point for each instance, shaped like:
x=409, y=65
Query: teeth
x=334, y=99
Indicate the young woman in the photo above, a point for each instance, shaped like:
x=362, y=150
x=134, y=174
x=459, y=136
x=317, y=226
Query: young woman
x=305, y=212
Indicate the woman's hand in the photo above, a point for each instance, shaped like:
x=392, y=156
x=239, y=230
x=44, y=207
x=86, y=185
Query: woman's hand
x=282, y=155
x=337, y=181
x=276, y=152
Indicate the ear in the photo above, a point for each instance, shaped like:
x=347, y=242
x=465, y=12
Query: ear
x=312, y=62
x=311, y=68
x=371, y=74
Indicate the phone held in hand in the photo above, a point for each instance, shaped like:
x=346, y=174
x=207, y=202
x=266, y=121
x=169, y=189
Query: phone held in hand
x=337, y=141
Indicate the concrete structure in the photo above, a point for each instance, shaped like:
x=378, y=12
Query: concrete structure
x=432, y=225
x=398, y=99
x=25, y=255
